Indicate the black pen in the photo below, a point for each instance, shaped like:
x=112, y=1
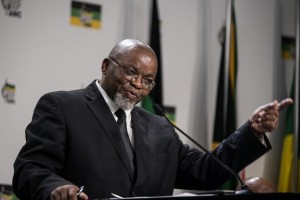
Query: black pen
x=80, y=190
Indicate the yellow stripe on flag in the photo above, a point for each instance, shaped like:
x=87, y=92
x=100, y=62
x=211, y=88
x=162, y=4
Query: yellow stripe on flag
x=285, y=175
x=76, y=21
x=232, y=64
x=215, y=144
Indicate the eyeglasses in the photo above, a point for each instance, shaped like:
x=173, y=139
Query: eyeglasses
x=132, y=75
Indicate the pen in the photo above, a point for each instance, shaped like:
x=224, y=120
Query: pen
x=80, y=190
x=117, y=196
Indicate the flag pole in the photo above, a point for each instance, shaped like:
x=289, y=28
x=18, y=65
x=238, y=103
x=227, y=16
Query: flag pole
x=227, y=54
x=296, y=103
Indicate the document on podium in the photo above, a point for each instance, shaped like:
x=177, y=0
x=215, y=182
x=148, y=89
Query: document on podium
x=219, y=195
x=185, y=194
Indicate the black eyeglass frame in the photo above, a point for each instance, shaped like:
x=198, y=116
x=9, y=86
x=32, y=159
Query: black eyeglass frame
x=132, y=75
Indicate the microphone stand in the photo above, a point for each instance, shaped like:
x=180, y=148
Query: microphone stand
x=244, y=188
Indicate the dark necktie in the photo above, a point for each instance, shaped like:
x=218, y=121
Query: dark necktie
x=123, y=129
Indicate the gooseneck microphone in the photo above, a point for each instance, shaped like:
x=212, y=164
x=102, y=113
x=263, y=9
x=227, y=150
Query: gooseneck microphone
x=245, y=189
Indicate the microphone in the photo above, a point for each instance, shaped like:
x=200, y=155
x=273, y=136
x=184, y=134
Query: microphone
x=244, y=188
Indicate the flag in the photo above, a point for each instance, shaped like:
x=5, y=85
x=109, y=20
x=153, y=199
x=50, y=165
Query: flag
x=288, y=155
x=8, y=92
x=298, y=157
x=85, y=15
x=155, y=95
x=225, y=123
x=298, y=152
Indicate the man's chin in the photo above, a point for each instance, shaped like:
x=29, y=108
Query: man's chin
x=123, y=102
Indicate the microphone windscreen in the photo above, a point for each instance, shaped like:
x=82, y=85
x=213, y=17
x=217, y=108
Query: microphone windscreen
x=158, y=109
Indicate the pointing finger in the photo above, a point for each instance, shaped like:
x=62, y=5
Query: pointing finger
x=285, y=103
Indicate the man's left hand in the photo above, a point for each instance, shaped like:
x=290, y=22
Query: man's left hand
x=266, y=117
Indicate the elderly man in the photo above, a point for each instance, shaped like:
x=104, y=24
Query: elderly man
x=98, y=138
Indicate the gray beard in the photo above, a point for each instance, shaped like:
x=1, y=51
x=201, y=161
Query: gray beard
x=123, y=102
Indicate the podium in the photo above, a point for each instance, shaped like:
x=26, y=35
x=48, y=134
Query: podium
x=223, y=196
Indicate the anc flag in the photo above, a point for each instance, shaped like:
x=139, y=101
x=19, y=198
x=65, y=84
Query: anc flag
x=297, y=157
x=155, y=95
x=288, y=156
x=298, y=152
x=85, y=14
x=8, y=92
x=225, y=123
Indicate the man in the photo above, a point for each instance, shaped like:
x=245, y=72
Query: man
x=74, y=139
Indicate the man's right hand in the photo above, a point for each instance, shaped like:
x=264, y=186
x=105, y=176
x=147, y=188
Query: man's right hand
x=67, y=192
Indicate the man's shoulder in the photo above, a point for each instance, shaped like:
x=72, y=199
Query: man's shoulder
x=70, y=93
x=65, y=93
x=62, y=97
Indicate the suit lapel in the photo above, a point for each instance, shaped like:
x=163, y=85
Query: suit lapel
x=141, y=145
x=102, y=112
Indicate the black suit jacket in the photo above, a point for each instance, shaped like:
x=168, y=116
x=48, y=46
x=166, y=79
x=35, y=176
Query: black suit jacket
x=73, y=138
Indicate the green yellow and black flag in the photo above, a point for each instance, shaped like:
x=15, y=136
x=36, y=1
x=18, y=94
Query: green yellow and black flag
x=225, y=123
x=8, y=92
x=288, y=155
x=156, y=95
x=85, y=15
x=286, y=166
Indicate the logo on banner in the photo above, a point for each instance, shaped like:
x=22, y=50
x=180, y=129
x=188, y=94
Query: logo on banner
x=8, y=92
x=12, y=7
x=85, y=15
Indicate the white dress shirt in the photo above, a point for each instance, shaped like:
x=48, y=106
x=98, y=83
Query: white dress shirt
x=113, y=108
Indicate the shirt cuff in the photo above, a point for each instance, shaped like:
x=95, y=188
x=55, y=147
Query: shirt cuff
x=261, y=138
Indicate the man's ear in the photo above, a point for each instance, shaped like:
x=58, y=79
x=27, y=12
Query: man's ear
x=104, y=66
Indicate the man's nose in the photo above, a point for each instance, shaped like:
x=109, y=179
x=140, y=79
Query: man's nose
x=137, y=82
